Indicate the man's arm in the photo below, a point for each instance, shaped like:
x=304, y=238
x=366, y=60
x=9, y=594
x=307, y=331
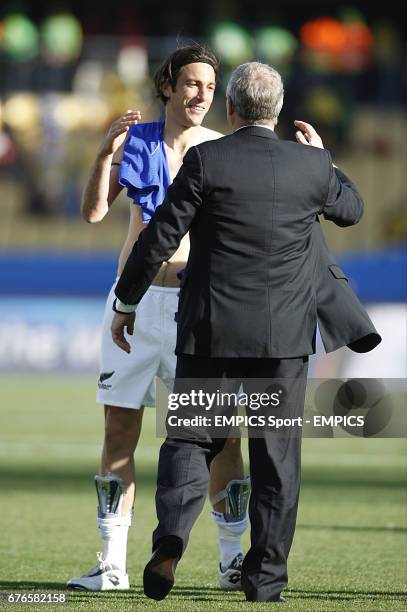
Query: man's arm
x=344, y=205
x=164, y=233
x=102, y=186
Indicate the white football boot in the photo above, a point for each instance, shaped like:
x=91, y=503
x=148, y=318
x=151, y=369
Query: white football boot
x=230, y=577
x=103, y=576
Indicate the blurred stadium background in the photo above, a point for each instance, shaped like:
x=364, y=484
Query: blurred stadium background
x=67, y=70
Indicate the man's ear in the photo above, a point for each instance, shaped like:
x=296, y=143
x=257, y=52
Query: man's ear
x=166, y=90
x=229, y=106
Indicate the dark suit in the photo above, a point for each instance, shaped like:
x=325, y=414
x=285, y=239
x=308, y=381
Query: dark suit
x=251, y=243
x=342, y=319
x=247, y=309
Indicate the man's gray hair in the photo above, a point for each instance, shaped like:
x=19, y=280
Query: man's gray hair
x=256, y=91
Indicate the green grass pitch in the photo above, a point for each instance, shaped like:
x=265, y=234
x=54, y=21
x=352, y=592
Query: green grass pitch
x=349, y=550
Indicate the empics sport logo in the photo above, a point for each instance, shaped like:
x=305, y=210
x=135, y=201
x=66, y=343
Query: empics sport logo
x=105, y=376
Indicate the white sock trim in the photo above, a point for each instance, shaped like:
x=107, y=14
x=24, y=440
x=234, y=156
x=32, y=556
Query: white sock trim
x=117, y=520
x=228, y=530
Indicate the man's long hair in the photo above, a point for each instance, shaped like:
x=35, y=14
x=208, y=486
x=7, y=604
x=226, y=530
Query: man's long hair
x=170, y=69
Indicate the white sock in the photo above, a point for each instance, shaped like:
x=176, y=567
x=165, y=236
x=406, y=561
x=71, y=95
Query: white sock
x=229, y=537
x=114, y=531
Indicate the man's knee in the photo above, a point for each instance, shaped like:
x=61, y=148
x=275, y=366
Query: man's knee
x=232, y=449
x=122, y=428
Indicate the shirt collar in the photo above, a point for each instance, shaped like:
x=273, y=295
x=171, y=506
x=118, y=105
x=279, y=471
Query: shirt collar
x=254, y=125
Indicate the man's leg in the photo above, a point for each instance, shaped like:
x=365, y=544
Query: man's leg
x=273, y=512
x=122, y=432
x=182, y=485
x=226, y=479
x=182, y=481
x=126, y=382
x=226, y=468
x=275, y=468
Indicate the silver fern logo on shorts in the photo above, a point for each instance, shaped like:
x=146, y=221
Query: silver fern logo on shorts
x=101, y=382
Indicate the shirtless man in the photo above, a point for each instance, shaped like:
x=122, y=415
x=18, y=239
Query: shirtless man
x=144, y=158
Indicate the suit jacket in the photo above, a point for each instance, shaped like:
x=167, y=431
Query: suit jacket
x=342, y=319
x=249, y=201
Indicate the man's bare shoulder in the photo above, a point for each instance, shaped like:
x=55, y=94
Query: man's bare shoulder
x=207, y=134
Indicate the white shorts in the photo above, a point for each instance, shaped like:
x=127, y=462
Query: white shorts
x=128, y=380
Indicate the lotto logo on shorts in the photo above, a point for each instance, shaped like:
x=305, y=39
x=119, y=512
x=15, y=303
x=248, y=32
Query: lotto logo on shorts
x=102, y=378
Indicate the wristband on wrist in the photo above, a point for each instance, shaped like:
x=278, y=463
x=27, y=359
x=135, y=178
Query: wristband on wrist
x=121, y=308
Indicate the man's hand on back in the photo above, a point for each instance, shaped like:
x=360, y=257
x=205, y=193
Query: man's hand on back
x=117, y=132
x=120, y=323
x=307, y=135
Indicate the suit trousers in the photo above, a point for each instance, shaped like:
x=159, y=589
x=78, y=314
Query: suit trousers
x=275, y=466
